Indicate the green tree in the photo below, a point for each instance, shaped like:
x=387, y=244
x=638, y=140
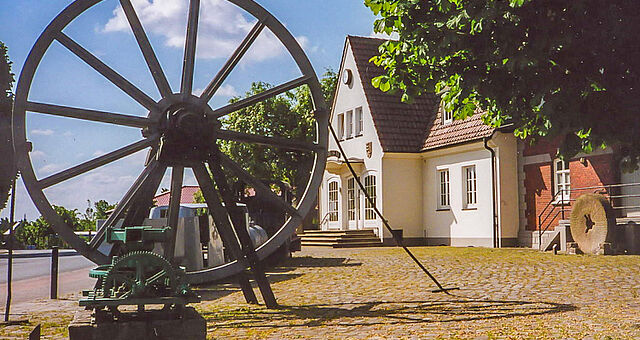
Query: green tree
x=289, y=115
x=93, y=213
x=7, y=165
x=567, y=68
x=40, y=234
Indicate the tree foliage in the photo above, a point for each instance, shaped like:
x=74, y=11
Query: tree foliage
x=98, y=210
x=567, y=68
x=289, y=115
x=40, y=234
x=7, y=165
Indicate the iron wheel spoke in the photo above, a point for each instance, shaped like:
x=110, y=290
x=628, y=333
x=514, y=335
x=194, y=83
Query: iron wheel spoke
x=96, y=162
x=147, y=51
x=268, y=140
x=107, y=72
x=219, y=79
x=217, y=211
x=186, y=86
x=177, y=175
x=144, y=198
x=90, y=115
x=125, y=202
x=274, y=91
x=256, y=183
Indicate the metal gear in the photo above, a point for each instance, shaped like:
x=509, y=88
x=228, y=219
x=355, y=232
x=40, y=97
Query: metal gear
x=141, y=274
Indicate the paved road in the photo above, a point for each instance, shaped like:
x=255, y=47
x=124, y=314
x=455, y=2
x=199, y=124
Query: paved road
x=31, y=278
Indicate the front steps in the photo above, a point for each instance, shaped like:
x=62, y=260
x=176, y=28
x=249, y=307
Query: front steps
x=340, y=238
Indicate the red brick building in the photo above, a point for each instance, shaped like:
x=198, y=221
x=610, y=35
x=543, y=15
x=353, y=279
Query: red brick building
x=549, y=185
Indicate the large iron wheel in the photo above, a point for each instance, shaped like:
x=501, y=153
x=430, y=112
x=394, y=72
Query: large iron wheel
x=168, y=120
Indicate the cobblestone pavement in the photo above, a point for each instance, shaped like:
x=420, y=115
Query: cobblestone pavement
x=378, y=293
x=373, y=293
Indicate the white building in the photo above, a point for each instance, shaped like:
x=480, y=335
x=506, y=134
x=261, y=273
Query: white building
x=431, y=176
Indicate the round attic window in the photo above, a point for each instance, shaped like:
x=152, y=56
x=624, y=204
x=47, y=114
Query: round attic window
x=347, y=77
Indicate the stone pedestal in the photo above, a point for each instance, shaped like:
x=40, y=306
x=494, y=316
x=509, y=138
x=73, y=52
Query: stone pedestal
x=152, y=325
x=605, y=249
x=572, y=248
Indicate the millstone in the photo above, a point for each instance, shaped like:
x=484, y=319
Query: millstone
x=592, y=222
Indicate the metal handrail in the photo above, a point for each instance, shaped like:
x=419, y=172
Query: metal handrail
x=540, y=232
x=324, y=219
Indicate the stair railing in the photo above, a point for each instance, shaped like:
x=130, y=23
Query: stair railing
x=324, y=219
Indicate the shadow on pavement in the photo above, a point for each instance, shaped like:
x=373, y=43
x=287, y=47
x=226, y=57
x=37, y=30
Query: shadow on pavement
x=308, y=261
x=381, y=313
x=221, y=289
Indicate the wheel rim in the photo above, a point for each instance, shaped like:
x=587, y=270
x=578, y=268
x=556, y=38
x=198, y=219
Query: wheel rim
x=155, y=127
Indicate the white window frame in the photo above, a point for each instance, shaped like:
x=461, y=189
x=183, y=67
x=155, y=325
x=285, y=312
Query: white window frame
x=447, y=116
x=333, y=206
x=371, y=188
x=470, y=186
x=349, y=124
x=341, y=126
x=359, y=124
x=561, y=181
x=443, y=178
x=351, y=199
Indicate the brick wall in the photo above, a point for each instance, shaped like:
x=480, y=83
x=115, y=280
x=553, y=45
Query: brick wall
x=596, y=171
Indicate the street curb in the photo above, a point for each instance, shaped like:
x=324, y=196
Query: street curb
x=39, y=254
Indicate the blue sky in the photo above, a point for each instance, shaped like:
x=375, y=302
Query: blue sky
x=59, y=143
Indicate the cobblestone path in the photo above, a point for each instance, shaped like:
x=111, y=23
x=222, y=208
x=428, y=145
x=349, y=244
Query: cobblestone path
x=371, y=293
x=378, y=293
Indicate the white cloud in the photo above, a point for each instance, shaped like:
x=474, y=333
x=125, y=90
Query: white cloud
x=67, y=134
x=306, y=45
x=227, y=91
x=42, y=132
x=98, y=153
x=222, y=27
x=37, y=154
x=50, y=168
x=224, y=91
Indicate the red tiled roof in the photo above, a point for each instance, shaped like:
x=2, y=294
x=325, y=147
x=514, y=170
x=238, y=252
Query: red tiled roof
x=186, y=195
x=458, y=131
x=406, y=127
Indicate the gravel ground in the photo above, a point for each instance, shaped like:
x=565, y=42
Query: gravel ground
x=378, y=293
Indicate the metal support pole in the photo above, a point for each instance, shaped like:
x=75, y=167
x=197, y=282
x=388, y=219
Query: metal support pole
x=10, y=246
x=54, y=272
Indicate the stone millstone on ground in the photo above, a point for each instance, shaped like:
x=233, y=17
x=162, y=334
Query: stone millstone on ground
x=592, y=222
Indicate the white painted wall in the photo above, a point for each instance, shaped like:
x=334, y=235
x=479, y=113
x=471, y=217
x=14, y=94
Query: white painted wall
x=462, y=226
x=402, y=192
x=349, y=97
x=506, y=147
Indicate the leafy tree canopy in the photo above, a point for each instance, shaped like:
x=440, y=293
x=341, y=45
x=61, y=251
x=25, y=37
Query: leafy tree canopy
x=40, y=233
x=7, y=167
x=289, y=115
x=567, y=68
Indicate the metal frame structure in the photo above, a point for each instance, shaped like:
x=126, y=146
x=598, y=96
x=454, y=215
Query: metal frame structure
x=168, y=117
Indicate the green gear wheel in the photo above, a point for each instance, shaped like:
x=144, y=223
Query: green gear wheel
x=140, y=274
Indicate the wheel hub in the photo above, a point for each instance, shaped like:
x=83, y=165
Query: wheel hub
x=187, y=135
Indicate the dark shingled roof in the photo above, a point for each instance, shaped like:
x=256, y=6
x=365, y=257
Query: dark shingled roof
x=411, y=127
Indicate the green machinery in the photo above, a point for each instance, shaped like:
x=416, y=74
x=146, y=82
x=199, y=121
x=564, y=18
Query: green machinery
x=138, y=277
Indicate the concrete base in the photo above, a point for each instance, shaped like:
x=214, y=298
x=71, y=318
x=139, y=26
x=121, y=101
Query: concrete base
x=154, y=325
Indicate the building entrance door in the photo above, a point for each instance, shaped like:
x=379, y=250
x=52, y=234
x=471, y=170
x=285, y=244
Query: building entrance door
x=353, y=205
